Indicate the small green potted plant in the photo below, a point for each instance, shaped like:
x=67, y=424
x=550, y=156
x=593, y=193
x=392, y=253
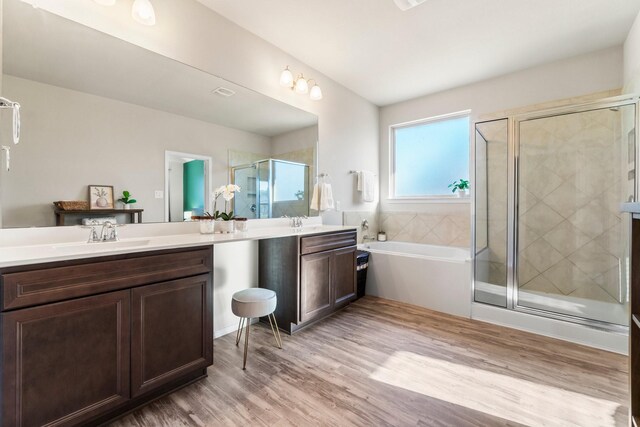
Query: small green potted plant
x=127, y=200
x=460, y=187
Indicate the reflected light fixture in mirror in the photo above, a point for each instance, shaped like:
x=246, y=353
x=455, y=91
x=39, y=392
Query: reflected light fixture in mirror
x=300, y=84
x=142, y=10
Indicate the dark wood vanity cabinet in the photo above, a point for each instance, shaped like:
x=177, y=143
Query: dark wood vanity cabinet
x=65, y=362
x=80, y=356
x=171, y=331
x=313, y=276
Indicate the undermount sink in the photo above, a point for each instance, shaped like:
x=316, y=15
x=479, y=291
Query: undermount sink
x=99, y=246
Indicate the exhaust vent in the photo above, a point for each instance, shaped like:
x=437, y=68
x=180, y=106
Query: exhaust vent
x=223, y=91
x=407, y=4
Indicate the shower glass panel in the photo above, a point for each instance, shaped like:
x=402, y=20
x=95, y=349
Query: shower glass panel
x=574, y=170
x=264, y=188
x=491, y=178
x=271, y=188
x=246, y=200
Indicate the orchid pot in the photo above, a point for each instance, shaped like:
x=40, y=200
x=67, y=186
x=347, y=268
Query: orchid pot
x=206, y=223
x=225, y=227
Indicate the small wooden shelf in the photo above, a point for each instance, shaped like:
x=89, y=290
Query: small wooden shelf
x=135, y=215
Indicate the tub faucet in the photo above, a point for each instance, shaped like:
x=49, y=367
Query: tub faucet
x=365, y=231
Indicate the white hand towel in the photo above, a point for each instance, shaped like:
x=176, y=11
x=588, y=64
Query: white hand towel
x=315, y=199
x=367, y=185
x=326, y=197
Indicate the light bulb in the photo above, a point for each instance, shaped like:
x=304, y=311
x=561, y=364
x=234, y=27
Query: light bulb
x=142, y=11
x=316, y=93
x=301, y=85
x=286, y=78
x=106, y=2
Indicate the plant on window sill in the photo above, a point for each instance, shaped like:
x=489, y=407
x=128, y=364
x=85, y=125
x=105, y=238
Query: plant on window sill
x=460, y=187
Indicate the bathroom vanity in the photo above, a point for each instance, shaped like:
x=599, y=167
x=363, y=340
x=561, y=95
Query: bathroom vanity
x=91, y=331
x=86, y=340
x=313, y=276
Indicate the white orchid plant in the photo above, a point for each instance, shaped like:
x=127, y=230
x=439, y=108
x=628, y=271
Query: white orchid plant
x=227, y=192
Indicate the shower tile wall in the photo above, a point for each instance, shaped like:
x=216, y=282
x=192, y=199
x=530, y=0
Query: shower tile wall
x=450, y=228
x=574, y=172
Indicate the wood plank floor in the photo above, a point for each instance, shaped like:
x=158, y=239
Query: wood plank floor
x=380, y=363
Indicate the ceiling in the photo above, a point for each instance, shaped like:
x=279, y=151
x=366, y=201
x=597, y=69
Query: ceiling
x=44, y=47
x=386, y=55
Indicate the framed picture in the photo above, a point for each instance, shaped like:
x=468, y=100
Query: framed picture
x=101, y=197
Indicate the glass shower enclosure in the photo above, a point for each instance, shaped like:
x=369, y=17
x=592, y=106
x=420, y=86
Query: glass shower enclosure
x=271, y=188
x=549, y=238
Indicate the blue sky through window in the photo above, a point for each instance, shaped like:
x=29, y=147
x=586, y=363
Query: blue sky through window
x=430, y=156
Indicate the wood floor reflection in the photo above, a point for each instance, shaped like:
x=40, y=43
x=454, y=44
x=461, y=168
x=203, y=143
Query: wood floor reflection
x=380, y=362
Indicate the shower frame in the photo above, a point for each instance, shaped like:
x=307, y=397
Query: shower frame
x=513, y=159
x=271, y=180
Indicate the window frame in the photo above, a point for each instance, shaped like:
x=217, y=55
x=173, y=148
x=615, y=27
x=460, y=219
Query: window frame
x=434, y=198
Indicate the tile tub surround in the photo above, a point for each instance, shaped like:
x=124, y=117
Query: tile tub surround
x=450, y=227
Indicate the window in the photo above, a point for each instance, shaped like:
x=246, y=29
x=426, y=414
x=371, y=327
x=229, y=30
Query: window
x=428, y=156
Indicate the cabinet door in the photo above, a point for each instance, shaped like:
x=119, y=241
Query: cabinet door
x=63, y=363
x=171, y=331
x=315, y=285
x=344, y=281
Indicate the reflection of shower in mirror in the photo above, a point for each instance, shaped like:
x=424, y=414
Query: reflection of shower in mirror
x=5, y=103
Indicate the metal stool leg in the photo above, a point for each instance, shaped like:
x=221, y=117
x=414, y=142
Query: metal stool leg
x=246, y=345
x=239, y=331
x=276, y=331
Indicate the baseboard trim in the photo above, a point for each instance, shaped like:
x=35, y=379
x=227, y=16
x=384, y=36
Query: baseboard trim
x=611, y=341
x=228, y=329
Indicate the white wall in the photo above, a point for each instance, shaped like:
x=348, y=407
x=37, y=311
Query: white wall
x=235, y=268
x=594, y=72
x=191, y=33
x=294, y=140
x=176, y=189
x=632, y=59
x=56, y=163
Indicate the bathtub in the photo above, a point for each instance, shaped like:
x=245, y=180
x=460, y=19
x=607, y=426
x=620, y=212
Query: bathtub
x=434, y=277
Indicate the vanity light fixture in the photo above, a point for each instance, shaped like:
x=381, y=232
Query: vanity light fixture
x=300, y=84
x=142, y=10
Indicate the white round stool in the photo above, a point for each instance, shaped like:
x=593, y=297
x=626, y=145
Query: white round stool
x=254, y=302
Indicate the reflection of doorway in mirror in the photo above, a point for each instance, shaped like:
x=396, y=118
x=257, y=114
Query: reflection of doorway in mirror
x=187, y=185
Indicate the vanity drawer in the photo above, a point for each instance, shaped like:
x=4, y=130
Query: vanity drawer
x=325, y=242
x=60, y=281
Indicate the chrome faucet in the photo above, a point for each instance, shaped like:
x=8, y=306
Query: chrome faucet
x=365, y=229
x=93, y=234
x=109, y=232
x=296, y=221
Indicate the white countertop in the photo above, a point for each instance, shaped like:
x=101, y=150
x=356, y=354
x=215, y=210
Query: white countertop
x=61, y=251
x=630, y=207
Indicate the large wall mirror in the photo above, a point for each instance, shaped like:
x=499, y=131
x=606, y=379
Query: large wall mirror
x=99, y=111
